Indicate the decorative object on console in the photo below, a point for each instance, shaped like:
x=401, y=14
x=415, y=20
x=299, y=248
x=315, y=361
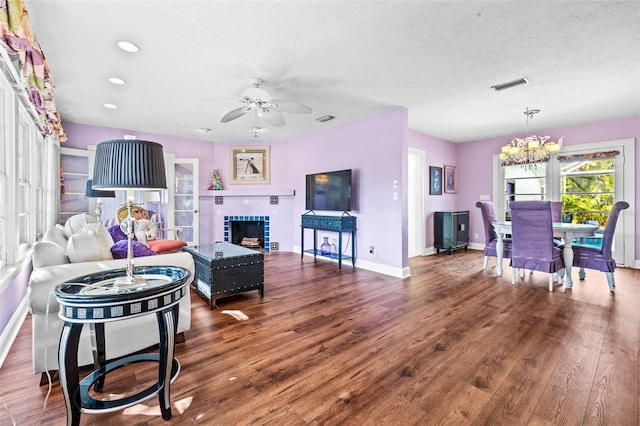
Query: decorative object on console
x=530, y=150
x=435, y=180
x=450, y=179
x=216, y=181
x=122, y=164
x=250, y=164
x=94, y=193
x=325, y=248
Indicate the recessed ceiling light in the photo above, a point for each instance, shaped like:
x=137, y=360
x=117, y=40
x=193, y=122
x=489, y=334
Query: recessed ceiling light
x=128, y=46
x=111, y=106
x=116, y=80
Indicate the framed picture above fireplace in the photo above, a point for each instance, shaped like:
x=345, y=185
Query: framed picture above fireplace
x=250, y=164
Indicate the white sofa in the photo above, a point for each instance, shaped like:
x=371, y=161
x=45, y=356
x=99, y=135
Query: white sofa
x=52, y=266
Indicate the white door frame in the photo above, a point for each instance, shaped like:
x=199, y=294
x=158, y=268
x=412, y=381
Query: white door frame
x=416, y=202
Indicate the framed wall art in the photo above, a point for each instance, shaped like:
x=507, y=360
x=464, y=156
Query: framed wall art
x=450, y=179
x=435, y=180
x=250, y=164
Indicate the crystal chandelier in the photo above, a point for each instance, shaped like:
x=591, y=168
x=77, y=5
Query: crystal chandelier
x=530, y=150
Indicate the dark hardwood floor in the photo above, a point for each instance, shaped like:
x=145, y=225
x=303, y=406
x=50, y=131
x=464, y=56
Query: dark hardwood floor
x=453, y=344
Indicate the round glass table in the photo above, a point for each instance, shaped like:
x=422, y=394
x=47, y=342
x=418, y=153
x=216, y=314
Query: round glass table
x=98, y=298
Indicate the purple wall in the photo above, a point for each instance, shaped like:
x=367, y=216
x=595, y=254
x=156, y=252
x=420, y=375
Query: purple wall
x=373, y=147
x=474, y=162
x=12, y=296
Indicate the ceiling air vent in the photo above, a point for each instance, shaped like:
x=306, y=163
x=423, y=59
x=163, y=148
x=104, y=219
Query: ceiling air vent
x=325, y=118
x=514, y=83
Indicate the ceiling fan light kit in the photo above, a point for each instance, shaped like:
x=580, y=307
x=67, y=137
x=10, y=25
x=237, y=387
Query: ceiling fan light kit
x=260, y=101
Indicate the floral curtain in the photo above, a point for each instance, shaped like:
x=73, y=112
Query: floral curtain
x=17, y=37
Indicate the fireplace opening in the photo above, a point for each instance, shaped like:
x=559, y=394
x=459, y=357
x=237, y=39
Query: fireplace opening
x=237, y=228
x=248, y=233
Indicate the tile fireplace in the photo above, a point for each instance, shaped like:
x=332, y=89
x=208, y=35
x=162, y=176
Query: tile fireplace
x=238, y=227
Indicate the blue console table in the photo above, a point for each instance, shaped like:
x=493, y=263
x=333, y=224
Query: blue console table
x=339, y=224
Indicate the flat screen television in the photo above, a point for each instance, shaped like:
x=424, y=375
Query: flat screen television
x=329, y=191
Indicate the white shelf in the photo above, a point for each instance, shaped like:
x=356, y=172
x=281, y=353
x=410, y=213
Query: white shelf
x=254, y=192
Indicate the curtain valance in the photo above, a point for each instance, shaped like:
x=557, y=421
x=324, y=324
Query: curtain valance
x=17, y=37
x=601, y=155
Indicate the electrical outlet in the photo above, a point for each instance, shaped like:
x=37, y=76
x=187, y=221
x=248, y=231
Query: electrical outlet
x=475, y=235
x=372, y=250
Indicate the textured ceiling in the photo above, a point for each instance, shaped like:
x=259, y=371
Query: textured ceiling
x=348, y=59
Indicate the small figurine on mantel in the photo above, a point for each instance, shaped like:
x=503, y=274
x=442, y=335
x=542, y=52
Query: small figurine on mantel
x=216, y=182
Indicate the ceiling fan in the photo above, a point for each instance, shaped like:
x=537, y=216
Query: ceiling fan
x=270, y=110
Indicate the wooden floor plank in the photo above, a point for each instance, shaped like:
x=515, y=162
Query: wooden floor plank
x=451, y=345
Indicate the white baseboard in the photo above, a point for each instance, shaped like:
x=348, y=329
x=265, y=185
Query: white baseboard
x=10, y=332
x=365, y=264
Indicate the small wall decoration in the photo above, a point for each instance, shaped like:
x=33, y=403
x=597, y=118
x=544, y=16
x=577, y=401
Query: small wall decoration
x=250, y=164
x=216, y=181
x=435, y=180
x=450, y=179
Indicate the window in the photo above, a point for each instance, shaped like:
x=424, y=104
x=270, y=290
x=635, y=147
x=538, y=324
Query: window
x=27, y=198
x=587, y=189
x=6, y=97
x=25, y=195
x=38, y=179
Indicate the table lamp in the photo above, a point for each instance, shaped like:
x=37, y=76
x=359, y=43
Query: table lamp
x=129, y=164
x=94, y=193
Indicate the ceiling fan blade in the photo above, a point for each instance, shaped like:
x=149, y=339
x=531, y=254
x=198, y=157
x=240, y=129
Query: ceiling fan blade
x=235, y=113
x=291, y=106
x=271, y=116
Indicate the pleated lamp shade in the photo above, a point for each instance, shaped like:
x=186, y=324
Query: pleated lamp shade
x=129, y=164
x=94, y=193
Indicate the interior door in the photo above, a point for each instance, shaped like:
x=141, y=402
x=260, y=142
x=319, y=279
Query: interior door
x=182, y=187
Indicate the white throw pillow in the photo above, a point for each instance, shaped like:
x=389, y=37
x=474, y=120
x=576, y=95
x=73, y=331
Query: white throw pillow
x=92, y=243
x=57, y=236
x=74, y=224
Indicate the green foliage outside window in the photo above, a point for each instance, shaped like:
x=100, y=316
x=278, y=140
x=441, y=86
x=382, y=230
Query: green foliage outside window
x=588, y=190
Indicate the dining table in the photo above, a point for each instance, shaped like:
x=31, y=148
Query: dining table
x=566, y=231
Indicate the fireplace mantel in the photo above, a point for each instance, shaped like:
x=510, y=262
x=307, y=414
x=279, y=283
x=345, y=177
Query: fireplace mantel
x=253, y=192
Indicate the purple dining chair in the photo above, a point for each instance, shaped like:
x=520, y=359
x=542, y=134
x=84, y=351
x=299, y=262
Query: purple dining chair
x=600, y=258
x=532, y=239
x=491, y=238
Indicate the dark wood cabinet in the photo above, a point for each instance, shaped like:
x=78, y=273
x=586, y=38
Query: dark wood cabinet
x=450, y=231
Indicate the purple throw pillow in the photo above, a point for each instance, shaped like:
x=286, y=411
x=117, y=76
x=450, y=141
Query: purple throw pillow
x=117, y=234
x=119, y=250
